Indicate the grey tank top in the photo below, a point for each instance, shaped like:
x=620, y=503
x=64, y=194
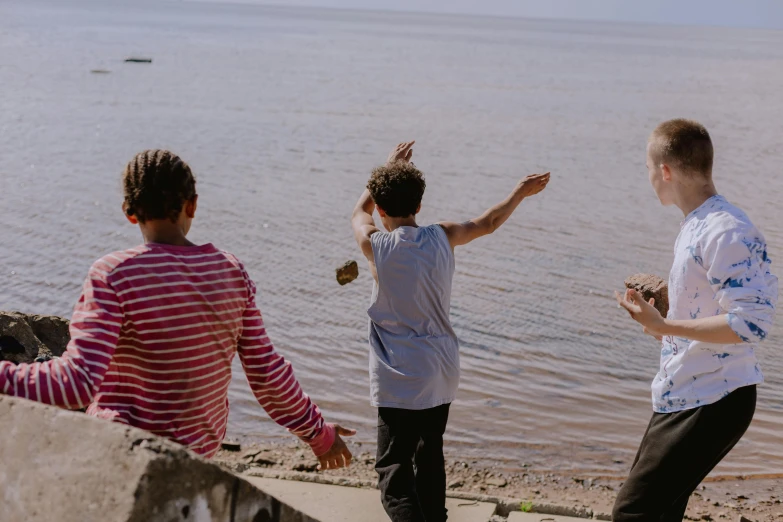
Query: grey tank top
x=414, y=353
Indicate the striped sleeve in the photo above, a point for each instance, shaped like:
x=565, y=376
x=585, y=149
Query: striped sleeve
x=274, y=385
x=72, y=380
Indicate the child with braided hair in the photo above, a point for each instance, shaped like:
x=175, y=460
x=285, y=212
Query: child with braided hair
x=157, y=326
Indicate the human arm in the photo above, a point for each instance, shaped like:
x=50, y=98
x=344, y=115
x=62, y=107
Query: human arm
x=463, y=233
x=714, y=329
x=72, y=380
x=361, y=220
x=363, y=224
x=276, y=389
x=737, y=268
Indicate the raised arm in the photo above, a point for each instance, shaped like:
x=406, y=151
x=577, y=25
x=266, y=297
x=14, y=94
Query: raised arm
x=72, y=380
x=463, y=233
x=276, y=389
x=361, y=219
x=363, y=224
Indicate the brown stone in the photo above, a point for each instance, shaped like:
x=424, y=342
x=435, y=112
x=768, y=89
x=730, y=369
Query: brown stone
x=23, y=337
x=347, y=273
x=651, y=286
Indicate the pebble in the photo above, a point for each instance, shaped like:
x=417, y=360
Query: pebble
x=497, y=482
x=454, y=484
x=230, y=445
x=264, y=460
x=249, y=454
x=305, y=466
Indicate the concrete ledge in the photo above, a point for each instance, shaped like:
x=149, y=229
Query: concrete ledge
x=341, y=504
x=504, y=506
x=66, y=466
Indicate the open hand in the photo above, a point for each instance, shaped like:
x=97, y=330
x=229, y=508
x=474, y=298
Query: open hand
x=643, y=312
x=402, y=152
x=338, y=456
x=533, y=184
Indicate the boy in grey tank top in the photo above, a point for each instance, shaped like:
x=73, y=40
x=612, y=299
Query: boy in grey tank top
x=414, y=352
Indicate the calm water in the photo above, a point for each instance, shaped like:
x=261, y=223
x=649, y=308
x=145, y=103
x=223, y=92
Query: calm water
x=283, y=112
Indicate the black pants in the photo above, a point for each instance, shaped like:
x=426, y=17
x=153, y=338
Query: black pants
x=678, y=450
x=410, y=465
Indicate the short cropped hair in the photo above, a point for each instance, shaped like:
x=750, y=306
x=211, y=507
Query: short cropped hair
x=157, y=184
x=397, y=188
x=684, y=144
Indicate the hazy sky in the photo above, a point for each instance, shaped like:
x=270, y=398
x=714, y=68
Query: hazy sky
x=744, y=13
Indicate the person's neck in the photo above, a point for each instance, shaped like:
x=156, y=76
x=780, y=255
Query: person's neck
x=164, y=232
x=397, y=222
x=694, y=197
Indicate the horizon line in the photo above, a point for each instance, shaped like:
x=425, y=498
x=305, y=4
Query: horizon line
x=462, y=14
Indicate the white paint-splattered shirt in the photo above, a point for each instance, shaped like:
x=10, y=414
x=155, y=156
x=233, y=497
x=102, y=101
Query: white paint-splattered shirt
x=720, y=267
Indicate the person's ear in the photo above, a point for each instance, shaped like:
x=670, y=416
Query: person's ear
x=381, y=212
x=129, y=215
x=666, y=173
x=190, y=207
x=418, y=209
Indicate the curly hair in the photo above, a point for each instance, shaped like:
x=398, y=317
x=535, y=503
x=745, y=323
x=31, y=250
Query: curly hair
x=157, y=184
x=397, y=188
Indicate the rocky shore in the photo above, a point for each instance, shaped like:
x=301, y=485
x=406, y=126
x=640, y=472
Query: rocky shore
x=756, y=499
x=25, y=338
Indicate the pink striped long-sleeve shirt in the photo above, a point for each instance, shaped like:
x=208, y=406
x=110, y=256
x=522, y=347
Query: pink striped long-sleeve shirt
x=152, y=339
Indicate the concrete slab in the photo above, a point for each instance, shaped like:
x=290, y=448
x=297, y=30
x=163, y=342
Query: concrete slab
x=341, y=504
x=517, y=516
x=71, y=467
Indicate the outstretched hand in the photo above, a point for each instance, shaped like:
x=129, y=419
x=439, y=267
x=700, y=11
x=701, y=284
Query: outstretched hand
x=641, y=311
x=533, y=184
x=402, y=152
x=338, y=456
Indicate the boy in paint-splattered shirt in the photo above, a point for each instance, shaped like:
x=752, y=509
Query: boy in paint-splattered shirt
x=721, y=268
x=722, y=302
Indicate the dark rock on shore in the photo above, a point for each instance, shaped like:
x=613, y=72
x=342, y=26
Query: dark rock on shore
x=25, y=338
x=651, y=286
x=59, y=465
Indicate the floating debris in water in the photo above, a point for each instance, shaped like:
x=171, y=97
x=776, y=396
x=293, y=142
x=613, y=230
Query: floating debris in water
x=100, y=71
x=347, y=273
x=138, y=60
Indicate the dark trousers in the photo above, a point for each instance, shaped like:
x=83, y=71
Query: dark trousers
x=410, y=465
x=678, y=450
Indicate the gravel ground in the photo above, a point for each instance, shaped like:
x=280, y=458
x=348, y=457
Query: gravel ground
x=756, y=499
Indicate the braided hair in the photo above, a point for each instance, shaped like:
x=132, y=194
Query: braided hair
x=157, y=184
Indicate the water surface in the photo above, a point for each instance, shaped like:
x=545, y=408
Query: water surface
x=283, y=112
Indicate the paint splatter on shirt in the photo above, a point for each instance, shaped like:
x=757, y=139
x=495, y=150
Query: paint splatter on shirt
x=721, y=267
